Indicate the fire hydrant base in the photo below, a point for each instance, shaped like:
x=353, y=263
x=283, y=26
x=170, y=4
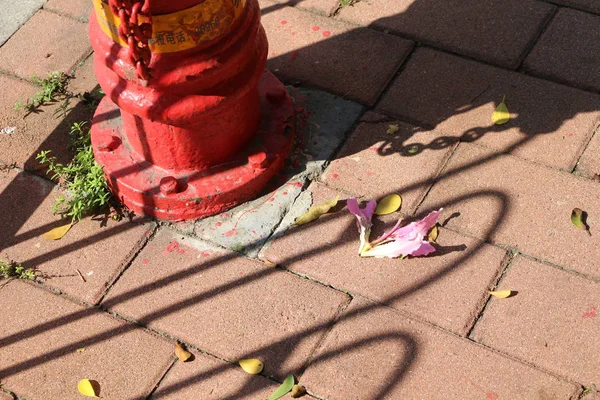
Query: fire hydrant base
x=191, y=194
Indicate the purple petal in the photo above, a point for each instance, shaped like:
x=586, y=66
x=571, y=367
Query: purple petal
x=370, y=209
x=352, y=205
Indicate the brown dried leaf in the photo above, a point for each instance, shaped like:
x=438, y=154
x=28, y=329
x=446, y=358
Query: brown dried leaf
x=182, y=353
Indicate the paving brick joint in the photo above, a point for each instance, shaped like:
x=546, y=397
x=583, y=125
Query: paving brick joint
x=391, y=97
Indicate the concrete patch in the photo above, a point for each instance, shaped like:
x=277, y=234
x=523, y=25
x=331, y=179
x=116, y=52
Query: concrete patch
x=324, y=120
x=14, y=14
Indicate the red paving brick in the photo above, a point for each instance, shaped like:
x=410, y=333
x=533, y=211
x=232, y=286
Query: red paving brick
x=34, y=132
x=207, y=378
x=552, y=322
x=376, y=353
x=447, y=289
x=589, y=164
x=515, y=203
x=39, y=337
x=324, y=7
x=99, y=253
x=585, y=5
x=225, y=304
x=457, y=97
x=79, y=9
x=6, y=396
x=373, y=163
x=322, y=52
x=47, y=42
x=497, y=32
x=84, y=77
x=568, y=50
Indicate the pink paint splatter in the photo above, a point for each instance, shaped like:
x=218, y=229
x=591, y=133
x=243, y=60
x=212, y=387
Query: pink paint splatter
x=326, y=33
x=145, y=261
x=316, y=28
x=218, y=223
x=294, y=55
x=370, y=173
x=297, y=184
x=283, y=22
x=173, y=246
x=271, y=199
x=204, y=253
x=285, y=193
x=571, y=134
x=591, y=313
x=231, y=232
x=335, y=176
x=492, y=396
x=273, y=54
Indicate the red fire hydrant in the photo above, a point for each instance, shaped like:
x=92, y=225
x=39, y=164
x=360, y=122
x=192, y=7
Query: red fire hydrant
x=192, y=124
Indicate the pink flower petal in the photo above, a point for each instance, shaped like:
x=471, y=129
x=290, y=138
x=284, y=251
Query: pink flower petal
x=423, y=250
x=392, y=249
x=387, y=234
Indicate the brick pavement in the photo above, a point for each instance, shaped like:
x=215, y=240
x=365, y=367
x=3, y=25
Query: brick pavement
x=248, y=283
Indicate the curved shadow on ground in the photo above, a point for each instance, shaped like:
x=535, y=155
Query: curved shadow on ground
x=529, y=126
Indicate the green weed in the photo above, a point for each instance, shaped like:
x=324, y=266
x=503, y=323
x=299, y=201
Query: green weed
x=347, y=3
x=53, y=88
x=85, y=188
x=13, y=270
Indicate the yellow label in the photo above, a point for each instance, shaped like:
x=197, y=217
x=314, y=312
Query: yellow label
x=181, y=30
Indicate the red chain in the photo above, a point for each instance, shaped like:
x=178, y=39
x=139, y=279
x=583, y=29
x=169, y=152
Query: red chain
x=135, y=34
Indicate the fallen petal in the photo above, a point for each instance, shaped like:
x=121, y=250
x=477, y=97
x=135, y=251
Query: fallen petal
x=283, y=389
x=501, y=115
x=86, y=387
x=316, y=211
x=182, y=354
x=252, y=366
x=58, y=232
x=389, y=204
x=501, y=294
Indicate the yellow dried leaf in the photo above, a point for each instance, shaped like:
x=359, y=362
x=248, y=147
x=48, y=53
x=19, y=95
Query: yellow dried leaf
x=501, y=294
x=433, y=234
x=252, y=366
x=269, y=262
x=57, y=233
x=316, y=211
x=501, y=115
x=298, y=391
x=182, y=353
x=392, y=129
x=81, y=349
x=578, y=218
x=86, y=387
x=389, y=204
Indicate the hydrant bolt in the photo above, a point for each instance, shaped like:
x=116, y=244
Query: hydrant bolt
x=277, y=94
x=169, y=185
x=258, y=160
